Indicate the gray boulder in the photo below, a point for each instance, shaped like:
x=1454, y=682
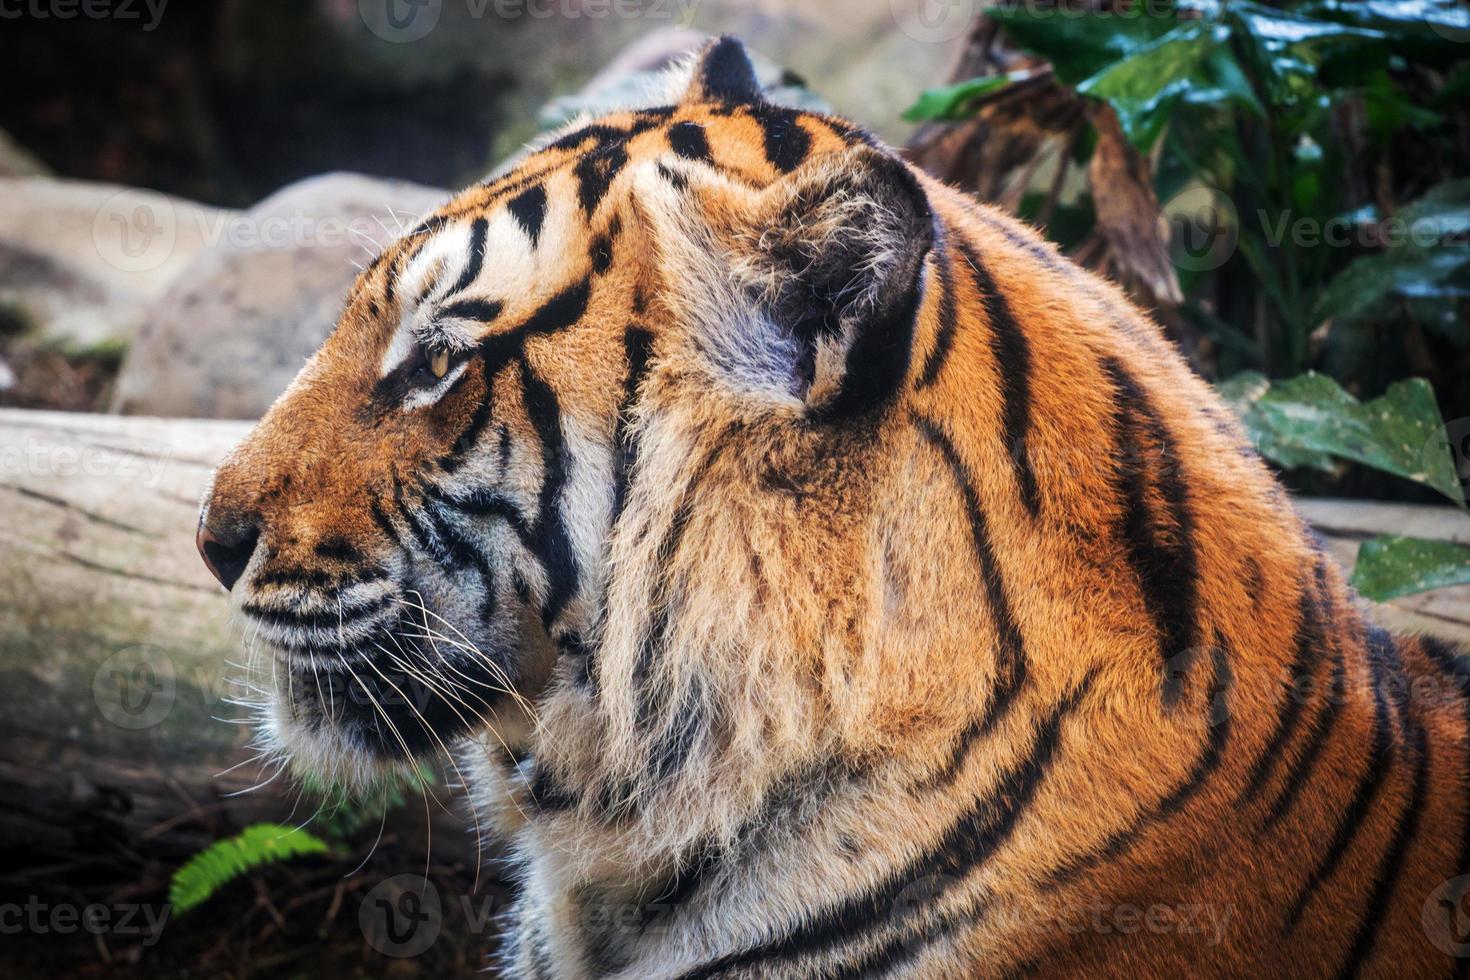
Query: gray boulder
x=635, y=76
x=235, y=327
x=16, y=161
x=79, y=261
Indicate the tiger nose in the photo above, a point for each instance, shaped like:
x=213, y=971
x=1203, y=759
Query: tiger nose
x=226, y=549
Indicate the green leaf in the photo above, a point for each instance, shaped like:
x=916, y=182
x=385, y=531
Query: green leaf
x=1243, y=392
x=1080, y=44
x=1285, y=28
x=1225, y=82
x=1144, y=87
x=225, y=860
x=956, y=101
x=1446, y=22
x=1390, y=109
x=1392, y=566
x=1359, y=288
x=1298, y=421
x=1426, y=254
x=1443, y=210
x=1284, y=47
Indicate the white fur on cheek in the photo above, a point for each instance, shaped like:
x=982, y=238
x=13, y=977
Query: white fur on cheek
x=587, y=501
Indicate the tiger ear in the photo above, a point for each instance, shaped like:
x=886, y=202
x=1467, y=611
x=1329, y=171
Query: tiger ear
x=722, y=72
x=805, y=290
x=836, y=267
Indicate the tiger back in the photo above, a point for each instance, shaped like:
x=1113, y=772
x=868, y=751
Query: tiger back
x=814, y=574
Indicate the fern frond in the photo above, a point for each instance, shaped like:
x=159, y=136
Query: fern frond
x=224, y=860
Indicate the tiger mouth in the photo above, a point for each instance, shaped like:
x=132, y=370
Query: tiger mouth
x=392, y=711
x=350, y=624
x=384, y=683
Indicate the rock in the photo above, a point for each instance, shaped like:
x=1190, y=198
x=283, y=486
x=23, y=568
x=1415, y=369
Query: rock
x=626, y=79
x=868, y=61
x=654, y=51
x=236, y=326
x=52, y=301
x=15, y=161
x=635, y=77
x=78, y=261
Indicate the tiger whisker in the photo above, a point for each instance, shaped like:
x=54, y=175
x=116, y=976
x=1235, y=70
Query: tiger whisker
x=244, y=762
x=409, y=759
x=488, y=727
x=260, y=785
x=382, y=822
x=467, y=646
x=479, y=835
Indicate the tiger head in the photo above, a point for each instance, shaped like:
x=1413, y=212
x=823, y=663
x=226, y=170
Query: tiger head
x=473, y=496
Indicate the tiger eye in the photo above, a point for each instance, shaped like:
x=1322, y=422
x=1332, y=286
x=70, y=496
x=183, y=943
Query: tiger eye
x=439, y=363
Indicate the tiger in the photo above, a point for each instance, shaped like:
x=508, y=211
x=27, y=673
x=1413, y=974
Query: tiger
x=815, y=574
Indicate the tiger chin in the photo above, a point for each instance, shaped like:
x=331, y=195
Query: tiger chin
x=817, y=575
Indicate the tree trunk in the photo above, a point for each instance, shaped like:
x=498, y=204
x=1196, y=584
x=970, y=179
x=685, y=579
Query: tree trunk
x=116, y=651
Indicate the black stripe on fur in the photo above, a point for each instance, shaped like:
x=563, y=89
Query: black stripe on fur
x=1218, y=718
x=1161, y=547
x=1391, y=865
x=967, y=844
x=554, y=544
x=1309, y=644
x=1011, y=662
x=1012, y=353
x=476, y=258
x=1379, y=760
x=529, y=209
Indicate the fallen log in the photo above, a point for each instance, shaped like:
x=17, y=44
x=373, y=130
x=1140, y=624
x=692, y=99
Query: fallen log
x=116, y=657
x=117, y=660
x=1345, y=524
